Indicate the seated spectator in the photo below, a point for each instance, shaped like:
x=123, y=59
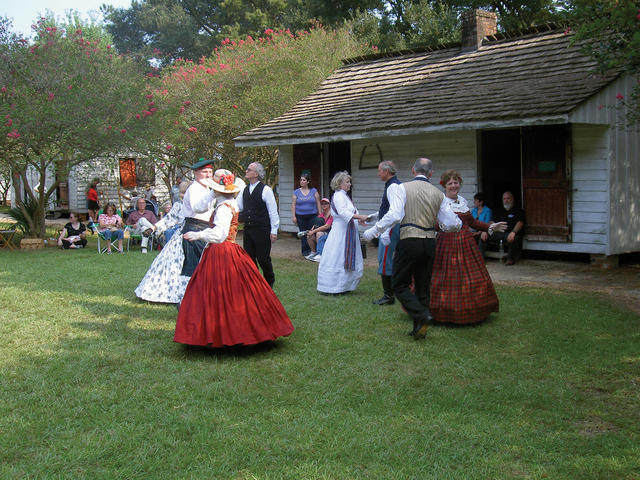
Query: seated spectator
x=512, y=236
x=110, y=226
x=131, y=198
x=480, y=212
x=166, y=208
x=74, y=234
x=317, y=235
x=143, y=221
x=152, y=203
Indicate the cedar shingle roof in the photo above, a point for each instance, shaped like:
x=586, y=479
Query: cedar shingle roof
x=533, y=76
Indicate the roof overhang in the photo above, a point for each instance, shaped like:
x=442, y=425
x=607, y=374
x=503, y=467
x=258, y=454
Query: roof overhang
x=341, y=137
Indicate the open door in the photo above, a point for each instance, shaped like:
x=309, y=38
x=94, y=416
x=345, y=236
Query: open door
x=546, y=154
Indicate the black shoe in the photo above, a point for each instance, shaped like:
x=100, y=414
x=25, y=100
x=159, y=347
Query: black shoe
x=421, y=332
x=420, y=327
x=385, y=300
x=416, y=326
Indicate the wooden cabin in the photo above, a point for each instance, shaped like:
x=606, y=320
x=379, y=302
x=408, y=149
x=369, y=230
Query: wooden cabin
x=119, y=177
x=525, y=112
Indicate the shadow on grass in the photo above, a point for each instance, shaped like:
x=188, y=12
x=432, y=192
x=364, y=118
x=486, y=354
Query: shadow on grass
x=235, y=351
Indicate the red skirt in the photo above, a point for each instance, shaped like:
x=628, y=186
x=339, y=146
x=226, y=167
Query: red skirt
x=228, y=302
x=461, y=288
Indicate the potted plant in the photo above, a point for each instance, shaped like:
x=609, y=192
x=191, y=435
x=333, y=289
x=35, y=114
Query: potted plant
x=30, y=238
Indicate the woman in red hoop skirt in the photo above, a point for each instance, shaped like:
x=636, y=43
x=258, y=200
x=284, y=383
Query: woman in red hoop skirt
x=228, y=302
x=461, y=288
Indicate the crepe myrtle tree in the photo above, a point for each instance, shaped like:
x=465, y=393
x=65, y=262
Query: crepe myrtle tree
x=609, y=31
x=64, y=100
x=203, y=105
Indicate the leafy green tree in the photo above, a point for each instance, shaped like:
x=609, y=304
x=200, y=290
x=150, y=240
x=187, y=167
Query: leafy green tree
x=610, y=30
x=518, y=14
x=172, y=29
x=64, y=100
x=412, y=23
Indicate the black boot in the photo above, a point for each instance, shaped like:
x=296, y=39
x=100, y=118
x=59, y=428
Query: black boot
x=387, y=298
x=420, y=327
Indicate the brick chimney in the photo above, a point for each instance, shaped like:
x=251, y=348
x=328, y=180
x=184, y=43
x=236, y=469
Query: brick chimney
x=477, y=24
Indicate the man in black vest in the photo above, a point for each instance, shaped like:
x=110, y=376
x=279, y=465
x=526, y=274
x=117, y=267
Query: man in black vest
x=388, y=240
x=259, y=212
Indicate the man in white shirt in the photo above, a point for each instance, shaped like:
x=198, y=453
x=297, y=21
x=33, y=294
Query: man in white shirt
x=415, y=206
x=198, y=204
x=259, y=212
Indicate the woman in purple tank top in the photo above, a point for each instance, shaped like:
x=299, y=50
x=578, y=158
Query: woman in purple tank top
x=305, y=206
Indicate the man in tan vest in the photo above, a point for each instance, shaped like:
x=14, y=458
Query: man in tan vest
x=415, y=206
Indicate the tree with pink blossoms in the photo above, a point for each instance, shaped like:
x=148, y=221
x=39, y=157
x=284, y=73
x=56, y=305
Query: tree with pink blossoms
x=64, y=99
x=203, y=105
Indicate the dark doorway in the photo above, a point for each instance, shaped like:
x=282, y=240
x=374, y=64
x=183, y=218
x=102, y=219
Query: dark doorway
x=339, y=158
x=500, y=165
x=532, y=162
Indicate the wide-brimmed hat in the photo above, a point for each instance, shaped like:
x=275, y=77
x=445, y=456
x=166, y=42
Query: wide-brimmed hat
x=202, y=163
x=225, y=182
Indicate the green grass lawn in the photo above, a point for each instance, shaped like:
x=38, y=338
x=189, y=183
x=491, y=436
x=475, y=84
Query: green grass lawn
x=92, y=385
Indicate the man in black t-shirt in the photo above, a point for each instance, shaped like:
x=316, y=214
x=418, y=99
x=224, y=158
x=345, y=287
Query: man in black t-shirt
x=512, y=236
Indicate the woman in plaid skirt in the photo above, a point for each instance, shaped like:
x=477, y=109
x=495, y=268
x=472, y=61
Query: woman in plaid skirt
x=461, y=288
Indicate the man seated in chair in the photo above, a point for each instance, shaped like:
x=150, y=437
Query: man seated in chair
x=512, y=237
x=144, y=222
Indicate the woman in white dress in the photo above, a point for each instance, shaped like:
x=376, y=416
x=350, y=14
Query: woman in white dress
x=341, y=266
x=163, y=283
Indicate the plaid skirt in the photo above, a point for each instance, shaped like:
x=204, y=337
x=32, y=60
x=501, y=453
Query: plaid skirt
x=461, y=288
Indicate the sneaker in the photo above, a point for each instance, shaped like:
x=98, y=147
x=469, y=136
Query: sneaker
x=310, y=256
x=317, y=258
x=302, y=234
x=144, y=250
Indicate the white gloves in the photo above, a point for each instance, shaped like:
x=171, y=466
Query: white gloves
x=370, y=234
x=385, y=238
x=191, y=236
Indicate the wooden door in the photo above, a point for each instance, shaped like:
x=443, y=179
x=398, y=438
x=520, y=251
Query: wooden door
x=546, y=154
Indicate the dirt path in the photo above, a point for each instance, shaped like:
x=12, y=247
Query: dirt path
x=621, y=284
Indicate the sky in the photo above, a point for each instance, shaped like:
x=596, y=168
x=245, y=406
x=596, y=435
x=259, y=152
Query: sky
x=25, y=12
